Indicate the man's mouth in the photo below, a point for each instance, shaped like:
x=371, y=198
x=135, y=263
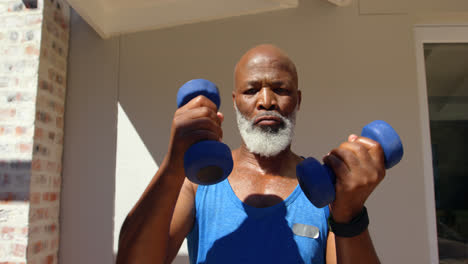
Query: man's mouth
x=268, y=121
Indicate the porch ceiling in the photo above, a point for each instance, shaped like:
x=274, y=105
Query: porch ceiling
x=115, y=17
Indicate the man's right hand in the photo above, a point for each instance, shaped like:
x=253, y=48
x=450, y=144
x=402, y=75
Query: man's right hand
x=195, y=121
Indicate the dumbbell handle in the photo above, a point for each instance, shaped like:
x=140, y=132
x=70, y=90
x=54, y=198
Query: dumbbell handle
x=318, y=181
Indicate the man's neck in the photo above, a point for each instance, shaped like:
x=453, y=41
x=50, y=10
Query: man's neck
x=275, y=165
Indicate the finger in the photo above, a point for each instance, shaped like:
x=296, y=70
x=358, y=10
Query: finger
x=338, y=166
x=363, y=161
x=352, y=137
x=202, y=112
x=221, y=119
x=347, y=155
x=203, y=123
x=220, y=116
x=374, y=149
x=360, y=151
x=199, y=101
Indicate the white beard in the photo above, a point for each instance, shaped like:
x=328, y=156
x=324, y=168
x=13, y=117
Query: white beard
x=266, y=141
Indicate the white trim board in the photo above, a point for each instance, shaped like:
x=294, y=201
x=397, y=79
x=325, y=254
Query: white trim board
x=444, y=33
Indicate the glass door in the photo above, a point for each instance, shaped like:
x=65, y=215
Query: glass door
x=446, y=67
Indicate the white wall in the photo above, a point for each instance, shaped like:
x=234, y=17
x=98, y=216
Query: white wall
x=88, y=183
x=356, y=64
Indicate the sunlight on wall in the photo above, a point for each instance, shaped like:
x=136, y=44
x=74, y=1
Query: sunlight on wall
x=134, y=169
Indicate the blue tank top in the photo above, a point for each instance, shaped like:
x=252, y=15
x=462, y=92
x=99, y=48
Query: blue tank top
x=228, y=231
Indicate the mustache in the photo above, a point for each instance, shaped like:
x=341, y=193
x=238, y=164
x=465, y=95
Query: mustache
x=269, y=113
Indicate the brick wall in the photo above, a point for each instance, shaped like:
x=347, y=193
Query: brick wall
x=20, y=33
x=33, y=56
x=48, y=137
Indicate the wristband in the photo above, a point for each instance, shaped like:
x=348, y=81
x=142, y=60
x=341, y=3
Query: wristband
x=356, y=226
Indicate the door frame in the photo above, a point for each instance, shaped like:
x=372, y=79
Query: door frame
x=431, y=33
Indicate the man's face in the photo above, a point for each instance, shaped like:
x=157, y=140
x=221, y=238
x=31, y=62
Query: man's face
x=266, y=99
x=266, y=83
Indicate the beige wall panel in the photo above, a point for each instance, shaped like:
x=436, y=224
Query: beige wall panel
x=438, y=6
x=367, y=7
x=87, y=199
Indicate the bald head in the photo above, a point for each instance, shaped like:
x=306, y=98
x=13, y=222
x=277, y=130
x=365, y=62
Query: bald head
x=265, y=55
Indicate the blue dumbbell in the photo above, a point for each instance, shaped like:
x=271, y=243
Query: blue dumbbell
x=317, y=181
x=208, y=161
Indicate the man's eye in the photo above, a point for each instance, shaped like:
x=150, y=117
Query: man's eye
x=281, y=91
x=250, y=91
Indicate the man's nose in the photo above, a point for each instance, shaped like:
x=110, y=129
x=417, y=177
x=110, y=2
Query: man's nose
x=267, y=100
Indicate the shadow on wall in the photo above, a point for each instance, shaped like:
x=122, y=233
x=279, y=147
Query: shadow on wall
x=15, y=179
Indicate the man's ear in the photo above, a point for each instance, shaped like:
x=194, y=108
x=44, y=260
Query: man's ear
x=234, y=98
x=299, y=99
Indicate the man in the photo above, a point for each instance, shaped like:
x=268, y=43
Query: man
x=251, y=216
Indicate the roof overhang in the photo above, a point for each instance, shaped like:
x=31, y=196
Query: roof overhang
x=114, y=17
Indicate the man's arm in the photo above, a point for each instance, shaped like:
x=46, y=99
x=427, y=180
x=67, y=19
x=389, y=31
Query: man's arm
x=145, y=235
x=358, y=249
x=156, y=226
x=182, y=220
x=359, y=167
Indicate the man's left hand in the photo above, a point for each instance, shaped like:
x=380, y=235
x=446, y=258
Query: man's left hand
x=359, y=167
